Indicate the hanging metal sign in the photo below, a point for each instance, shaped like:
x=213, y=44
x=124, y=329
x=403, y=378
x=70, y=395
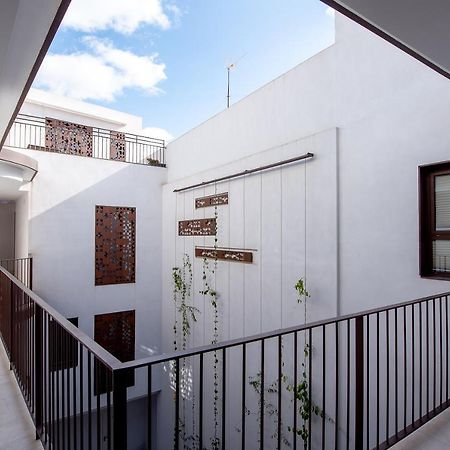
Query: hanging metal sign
x=197, y=227
x=212, y=200
x=224, y=254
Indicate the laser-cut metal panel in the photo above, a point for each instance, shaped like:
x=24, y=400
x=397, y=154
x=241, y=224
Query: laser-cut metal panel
x=63, y=348
x=212, y=200
x=115, y=245
x=67, y=137
x=197, y=227
x=242, y=256
x=117, y=146
x=115, y=332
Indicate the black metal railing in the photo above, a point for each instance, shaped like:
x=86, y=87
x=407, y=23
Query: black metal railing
x=67, y=380
x=361, y=381
x=21, y=268
x=35, y=133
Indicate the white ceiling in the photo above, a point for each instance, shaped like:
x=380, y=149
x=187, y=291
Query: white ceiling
x=420, y=27
x=25, y=33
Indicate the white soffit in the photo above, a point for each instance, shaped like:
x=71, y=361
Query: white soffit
x=27, y=28
x=419, y=27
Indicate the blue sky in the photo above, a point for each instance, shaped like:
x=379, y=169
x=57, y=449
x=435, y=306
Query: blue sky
x=166, y=60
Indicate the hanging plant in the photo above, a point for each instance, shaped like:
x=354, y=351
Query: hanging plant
x=302, y=293
x=208, y=274
x=182, y=282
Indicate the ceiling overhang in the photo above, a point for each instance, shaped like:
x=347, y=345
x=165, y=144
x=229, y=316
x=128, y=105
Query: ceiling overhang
x=27, y=29
x=420, y=28
x=16, y=171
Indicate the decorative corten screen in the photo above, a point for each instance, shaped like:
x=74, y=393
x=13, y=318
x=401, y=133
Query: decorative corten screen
x=63, y=348
x=115, y=332
x=117, y=146
x=212, y=200
x=224, y=254
x=115, y=245
x=197, y=227
x=68, y=137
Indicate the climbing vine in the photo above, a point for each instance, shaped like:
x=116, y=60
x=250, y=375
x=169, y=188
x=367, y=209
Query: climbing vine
x=299, y=390
x=208, y=275
x=182, y=283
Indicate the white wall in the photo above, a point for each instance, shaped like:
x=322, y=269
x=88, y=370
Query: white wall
x=44, y=104
x=391, y=113
x=62, y=240
x=388, y=114
x=21, y=226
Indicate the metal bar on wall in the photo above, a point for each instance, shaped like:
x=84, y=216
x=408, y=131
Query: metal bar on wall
x=248, y=172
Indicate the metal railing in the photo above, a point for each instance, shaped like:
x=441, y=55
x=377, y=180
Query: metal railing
x=30, y=132
x=361, y=381
x=21, y=268
x=68, y=381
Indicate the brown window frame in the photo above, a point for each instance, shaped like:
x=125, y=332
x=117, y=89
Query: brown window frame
x=427, y=219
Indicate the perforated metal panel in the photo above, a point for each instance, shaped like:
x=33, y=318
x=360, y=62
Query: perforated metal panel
x=197, y=227
x=117, y=146
x=232, y=255
x=212, y=200
x=68, y=137
x=115, y=245
x=115, y=332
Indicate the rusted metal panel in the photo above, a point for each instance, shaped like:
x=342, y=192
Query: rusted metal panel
x=233, y=255
x=67, y=137
x=115, y=332
x=117, y=146
x=115, y=245
x=197, y=227
x=212, y=200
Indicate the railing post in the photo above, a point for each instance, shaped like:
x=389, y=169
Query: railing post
x=359, y=382
x=30, y=272
x=11, y=325
x=38, y=352
x=120, y=409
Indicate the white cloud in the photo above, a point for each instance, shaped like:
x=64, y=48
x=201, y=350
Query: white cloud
x=329, y=11
x=101, y=74
x=123, y=16
x=157, y=133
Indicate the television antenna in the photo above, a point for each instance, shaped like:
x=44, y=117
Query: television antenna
x=229, y=68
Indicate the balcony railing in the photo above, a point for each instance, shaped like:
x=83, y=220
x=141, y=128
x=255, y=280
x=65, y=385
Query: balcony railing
x=53, y=135
x=21, y=268
x=360, y=381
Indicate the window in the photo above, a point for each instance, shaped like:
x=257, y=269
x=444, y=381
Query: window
x=435, y=220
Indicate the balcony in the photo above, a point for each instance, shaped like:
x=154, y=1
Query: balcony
x=362, y=381
x=57, y=136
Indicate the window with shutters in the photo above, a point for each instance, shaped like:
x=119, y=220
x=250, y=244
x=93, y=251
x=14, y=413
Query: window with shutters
x=435, y=220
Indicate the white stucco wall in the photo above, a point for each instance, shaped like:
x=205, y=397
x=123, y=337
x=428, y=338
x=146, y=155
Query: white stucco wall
x=62, y=240
x=391, y=113
x=21, y=225
x=387, y=114
x=45, y=104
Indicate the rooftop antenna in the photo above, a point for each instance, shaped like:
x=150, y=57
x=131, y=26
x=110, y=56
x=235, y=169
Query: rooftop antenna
x=229, y=67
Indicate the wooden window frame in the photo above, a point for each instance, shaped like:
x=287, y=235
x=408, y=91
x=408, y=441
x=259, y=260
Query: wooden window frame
x=427, y=219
